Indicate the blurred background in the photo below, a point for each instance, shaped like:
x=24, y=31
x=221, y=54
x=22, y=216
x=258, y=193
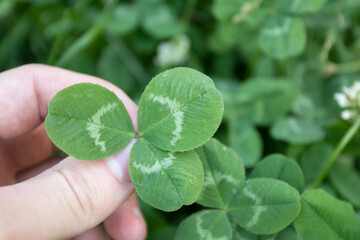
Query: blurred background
x=277, y=63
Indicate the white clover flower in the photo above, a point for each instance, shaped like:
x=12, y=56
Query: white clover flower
x=173, y=52
x=349, y=99
x=341, y=99
x=346, y=114
x=350, y=92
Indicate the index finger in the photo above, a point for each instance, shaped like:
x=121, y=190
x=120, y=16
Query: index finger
x=25, y=93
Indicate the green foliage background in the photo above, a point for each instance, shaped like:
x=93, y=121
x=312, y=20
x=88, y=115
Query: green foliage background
x=277, y=64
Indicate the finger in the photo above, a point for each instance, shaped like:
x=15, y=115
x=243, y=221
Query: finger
x=25, y=93
x=28, y=150
x=36, y=170
x=127, y=223
x=65, y=200
x=6, y=175
x=96, y=233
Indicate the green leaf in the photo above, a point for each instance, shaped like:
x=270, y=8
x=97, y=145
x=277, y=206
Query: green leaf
x=264, y=100
x=247, y=43
x=265, y=66
x=265, y=206
x=325, y=217
x=346, y=181
x=278, y=166
x=228, y=90
x=88, y=122
x=165, y=180
x=288, y=233
x=179, y=110
x=304, y=108
x=246, y=141
x=296, y=131
x=313, y=161
x=224, y=174
x=328, y=188
x=300, y=6
x=111, y=68
x=283, y=37
x=223, y=38
x=224, y=10
x=205, y=225
x=241, y=234
x=160, y=22
x=124, y=19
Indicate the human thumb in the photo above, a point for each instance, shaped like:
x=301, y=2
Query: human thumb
x=65, y=200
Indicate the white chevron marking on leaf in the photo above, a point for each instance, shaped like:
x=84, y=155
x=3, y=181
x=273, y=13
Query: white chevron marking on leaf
x=230, y=179
x=203, y=233
x=148, y=169
x=93, y=127
x=276, y=31
x=257, y=209
x=165, y=163
x=174, y=107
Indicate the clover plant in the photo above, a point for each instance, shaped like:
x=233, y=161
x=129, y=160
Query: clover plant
x=179, y=111
x=175, y=162
x=286, y=163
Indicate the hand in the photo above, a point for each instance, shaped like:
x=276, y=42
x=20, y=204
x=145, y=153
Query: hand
x=66, y=197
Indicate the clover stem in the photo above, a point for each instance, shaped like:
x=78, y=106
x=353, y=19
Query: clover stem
x=188, y=10
x=343, y=68
x=328, y=45
x=129, y=59
x=60, y=36
x=339, y=148
x=88, y=37
x=282, y=66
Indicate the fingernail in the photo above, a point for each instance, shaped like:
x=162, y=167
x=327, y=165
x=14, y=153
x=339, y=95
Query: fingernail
x=119, y=163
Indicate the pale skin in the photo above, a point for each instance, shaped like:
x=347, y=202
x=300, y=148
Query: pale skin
x=52, y=198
